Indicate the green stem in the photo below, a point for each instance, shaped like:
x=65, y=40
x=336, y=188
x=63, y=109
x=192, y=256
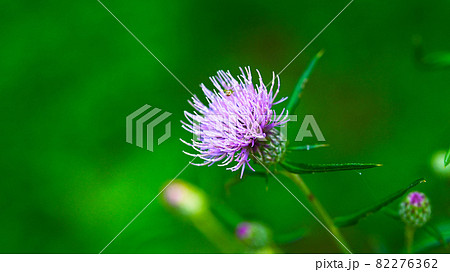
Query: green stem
x=409, y=237
x=319, y=209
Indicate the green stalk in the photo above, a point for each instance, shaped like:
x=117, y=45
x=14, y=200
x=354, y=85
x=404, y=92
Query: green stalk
x=319, y=209
x=409, y=237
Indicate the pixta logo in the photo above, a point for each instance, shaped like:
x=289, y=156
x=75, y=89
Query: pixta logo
x=142, y=118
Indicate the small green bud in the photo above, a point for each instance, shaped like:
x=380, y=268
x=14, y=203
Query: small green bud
x=254, y=235
x=185, y=198
x=415, y=210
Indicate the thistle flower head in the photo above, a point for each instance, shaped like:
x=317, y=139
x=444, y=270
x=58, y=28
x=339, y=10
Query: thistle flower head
x=253, y=234
x=237, y=123
x=415, y=210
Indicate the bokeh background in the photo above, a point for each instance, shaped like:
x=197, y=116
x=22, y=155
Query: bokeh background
x=70, y=74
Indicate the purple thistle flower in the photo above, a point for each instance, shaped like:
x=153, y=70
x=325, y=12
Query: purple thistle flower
x=238, y=122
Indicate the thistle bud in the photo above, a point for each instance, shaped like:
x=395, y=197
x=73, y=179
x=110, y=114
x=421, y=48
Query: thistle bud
x=185, y=198
x=415, y=210
x=253, y=234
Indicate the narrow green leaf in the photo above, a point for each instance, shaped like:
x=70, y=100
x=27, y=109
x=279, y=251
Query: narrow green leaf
x=442, y=238
x=303, y=168
x=447, y=158
x=306, y=147
x=295, y=96
x=291, y=237
x=392, y=214
x=433, y=60
x=352, y=219
x=437, y=59
x=436, y=233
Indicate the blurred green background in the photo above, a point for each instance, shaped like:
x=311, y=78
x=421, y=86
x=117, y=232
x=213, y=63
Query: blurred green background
x=70, y=74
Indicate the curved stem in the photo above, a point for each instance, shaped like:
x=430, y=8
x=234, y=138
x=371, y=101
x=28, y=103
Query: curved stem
x=319, y=209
